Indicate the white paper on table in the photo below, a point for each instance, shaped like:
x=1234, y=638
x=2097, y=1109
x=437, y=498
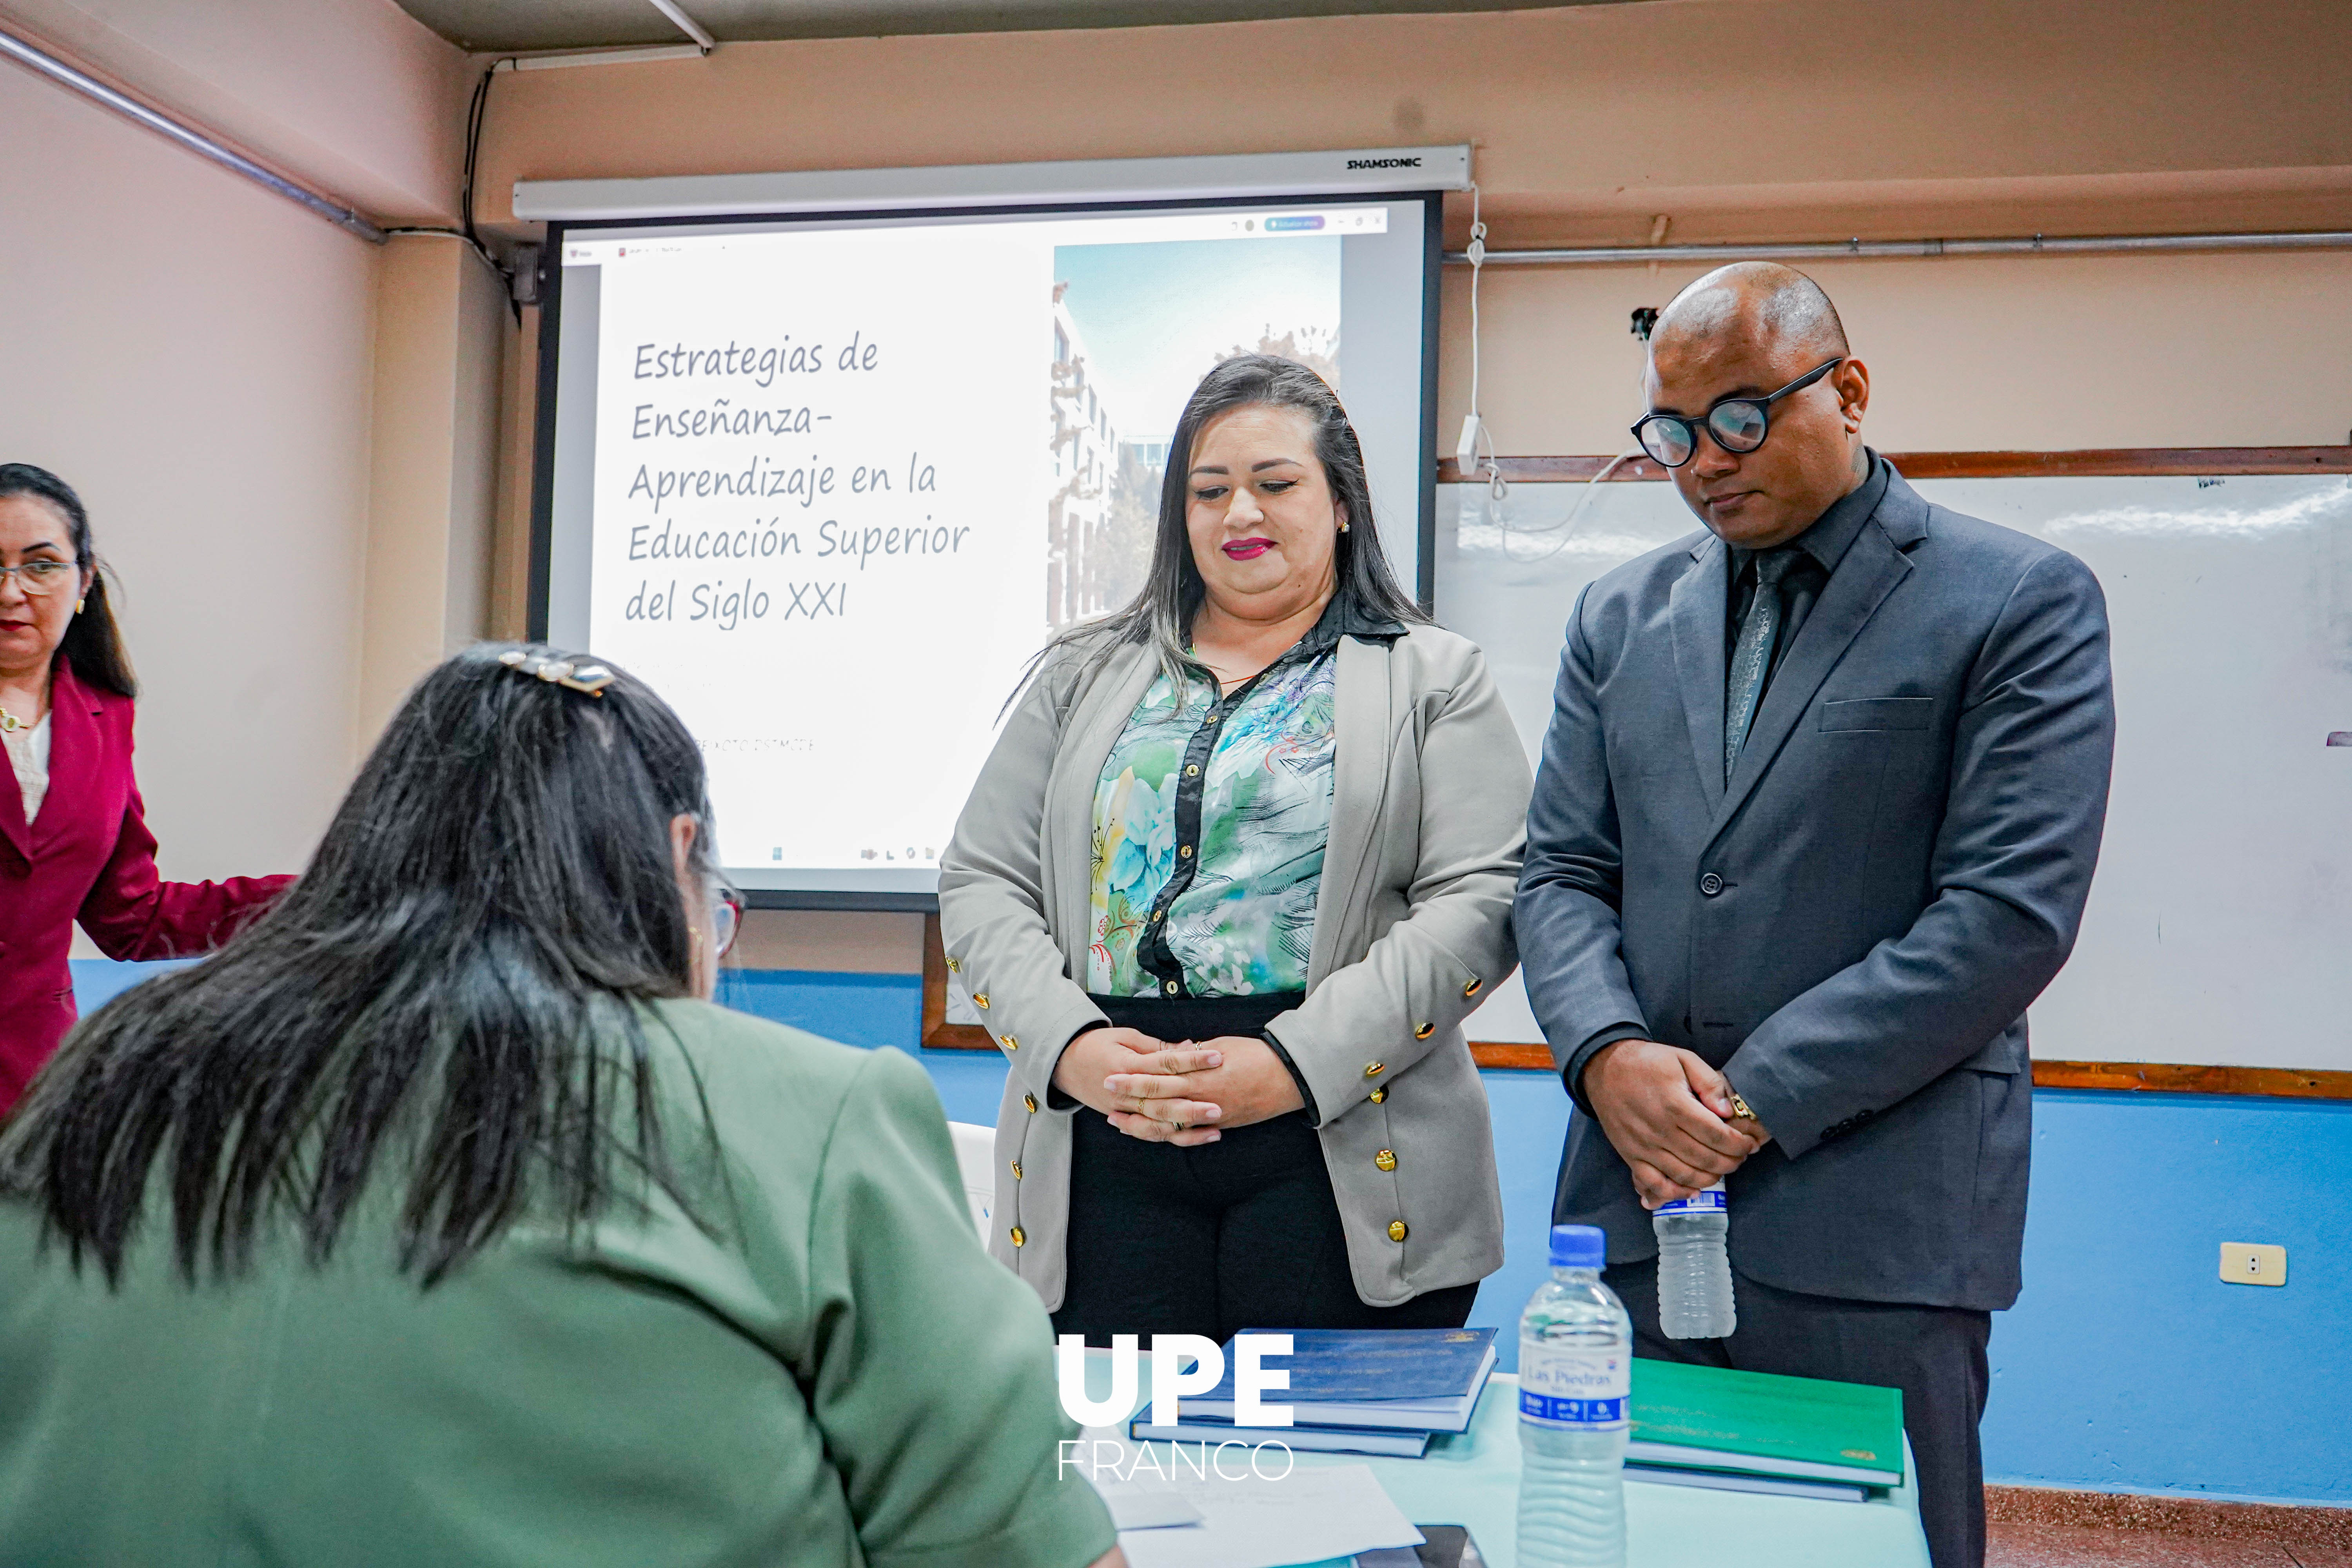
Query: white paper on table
x=1308, y=1516
x=1146, y=1504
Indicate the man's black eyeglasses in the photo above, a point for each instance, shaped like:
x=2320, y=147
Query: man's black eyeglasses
x=1738, y=424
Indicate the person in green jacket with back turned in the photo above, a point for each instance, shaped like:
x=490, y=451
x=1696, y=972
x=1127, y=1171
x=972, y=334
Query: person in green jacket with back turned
x=442, y=1219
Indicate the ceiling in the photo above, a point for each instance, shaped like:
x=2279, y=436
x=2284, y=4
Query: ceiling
x=529, y=25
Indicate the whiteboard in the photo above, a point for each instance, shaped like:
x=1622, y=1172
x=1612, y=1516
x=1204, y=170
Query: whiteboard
x=2220, y=925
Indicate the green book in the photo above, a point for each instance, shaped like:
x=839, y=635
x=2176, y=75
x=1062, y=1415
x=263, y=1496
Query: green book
x=1757, y=1423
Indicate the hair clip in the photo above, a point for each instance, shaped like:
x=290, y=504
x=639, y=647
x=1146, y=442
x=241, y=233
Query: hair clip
x=591, y=679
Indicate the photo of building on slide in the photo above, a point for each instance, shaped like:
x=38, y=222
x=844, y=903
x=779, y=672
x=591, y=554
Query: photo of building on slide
x=1135, y=328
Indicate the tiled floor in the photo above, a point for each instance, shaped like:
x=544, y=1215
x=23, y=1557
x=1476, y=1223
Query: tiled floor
x=2009, y=1545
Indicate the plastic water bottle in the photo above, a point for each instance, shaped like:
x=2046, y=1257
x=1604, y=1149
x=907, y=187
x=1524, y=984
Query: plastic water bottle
x=1576, y=1372
x=1694, y=1268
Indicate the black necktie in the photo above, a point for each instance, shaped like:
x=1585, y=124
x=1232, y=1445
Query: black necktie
x=1751, y=655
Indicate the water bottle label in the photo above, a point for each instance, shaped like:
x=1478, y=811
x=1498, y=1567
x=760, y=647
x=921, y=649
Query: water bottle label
x=1583, y=1390
x=1711, y=1201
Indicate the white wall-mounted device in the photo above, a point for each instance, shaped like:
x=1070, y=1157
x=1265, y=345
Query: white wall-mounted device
x=2253, y=1263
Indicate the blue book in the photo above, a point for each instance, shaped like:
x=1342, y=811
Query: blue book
x=1424, y=1380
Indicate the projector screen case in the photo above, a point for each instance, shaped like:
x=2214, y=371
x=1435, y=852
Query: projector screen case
x=1249, y=176
x=580, y=549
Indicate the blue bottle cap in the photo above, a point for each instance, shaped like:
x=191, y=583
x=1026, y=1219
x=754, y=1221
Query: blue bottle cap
x=1579, y=1246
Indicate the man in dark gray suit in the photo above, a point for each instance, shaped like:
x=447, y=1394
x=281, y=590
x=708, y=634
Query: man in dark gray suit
x=1815, y=820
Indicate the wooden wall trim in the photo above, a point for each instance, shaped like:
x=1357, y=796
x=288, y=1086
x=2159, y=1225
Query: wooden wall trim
x=1512, y=1056
x=939, y=1034
x=2179, y=462
x=2142, y=1078
x=2180, y=1078
x=1553, y=471
x=2200, y=461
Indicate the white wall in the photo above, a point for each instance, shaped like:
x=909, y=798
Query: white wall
x=356, y=96
x=192, y=354
x=1997, y=354
x=288, y=437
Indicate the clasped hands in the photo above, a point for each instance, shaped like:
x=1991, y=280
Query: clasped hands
x=1670, y=1117
x=1183, y=1093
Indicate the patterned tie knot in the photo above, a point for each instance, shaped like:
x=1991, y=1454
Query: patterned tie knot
x=1771, y=565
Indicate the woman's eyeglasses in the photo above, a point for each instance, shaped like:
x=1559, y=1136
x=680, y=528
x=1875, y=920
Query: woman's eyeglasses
x=38, y=577
x=726, y=919
x=1738, y=424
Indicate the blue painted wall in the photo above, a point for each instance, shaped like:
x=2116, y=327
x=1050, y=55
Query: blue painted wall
x=2127, y=1366
x=855, y=1009
x=97, y=981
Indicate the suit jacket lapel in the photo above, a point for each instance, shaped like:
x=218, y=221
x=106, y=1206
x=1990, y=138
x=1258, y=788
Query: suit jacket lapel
x=1696, y=605
x=1871, y=567
x=73, y=754
x=1365, y=725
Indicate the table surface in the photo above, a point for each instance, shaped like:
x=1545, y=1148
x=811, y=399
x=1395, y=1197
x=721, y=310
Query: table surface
x=1472, y=1479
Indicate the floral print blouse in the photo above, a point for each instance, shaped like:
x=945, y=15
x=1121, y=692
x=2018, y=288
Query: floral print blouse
x=1228, y=908
x=1210, y=818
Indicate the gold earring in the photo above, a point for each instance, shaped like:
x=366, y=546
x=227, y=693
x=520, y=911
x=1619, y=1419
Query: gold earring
x=1343, y=528
x=79, y=604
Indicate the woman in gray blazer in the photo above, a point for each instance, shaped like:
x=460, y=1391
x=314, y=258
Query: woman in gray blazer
x=1238, y=867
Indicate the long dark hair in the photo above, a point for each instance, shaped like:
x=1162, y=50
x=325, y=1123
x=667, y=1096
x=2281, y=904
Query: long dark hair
x=1160, y=616
x=450, y=989
x=92, y=640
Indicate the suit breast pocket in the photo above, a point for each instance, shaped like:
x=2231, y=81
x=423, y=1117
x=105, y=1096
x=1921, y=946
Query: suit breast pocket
x=1878, y=713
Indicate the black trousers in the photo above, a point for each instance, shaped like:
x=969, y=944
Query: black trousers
x=1240, y=1234
x=1935, y=1356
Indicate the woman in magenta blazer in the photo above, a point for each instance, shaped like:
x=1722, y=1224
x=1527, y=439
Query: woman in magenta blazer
x=74, y=843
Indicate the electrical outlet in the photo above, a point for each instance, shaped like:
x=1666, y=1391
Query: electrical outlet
x=2251, y=1263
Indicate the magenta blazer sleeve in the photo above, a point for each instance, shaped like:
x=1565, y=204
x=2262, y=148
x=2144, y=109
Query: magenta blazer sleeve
x=132, y=914
x=87, y=855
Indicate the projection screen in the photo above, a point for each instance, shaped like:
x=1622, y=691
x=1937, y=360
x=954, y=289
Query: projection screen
x=829, y=483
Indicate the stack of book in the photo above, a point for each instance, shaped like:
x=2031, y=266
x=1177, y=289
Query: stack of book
x=1361, y=1391
x=1754, y=1431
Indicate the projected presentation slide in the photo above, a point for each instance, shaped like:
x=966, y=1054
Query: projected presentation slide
x=829, y=487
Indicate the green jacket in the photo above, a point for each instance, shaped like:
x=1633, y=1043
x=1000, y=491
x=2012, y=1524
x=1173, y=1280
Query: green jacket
x=841, y=1377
